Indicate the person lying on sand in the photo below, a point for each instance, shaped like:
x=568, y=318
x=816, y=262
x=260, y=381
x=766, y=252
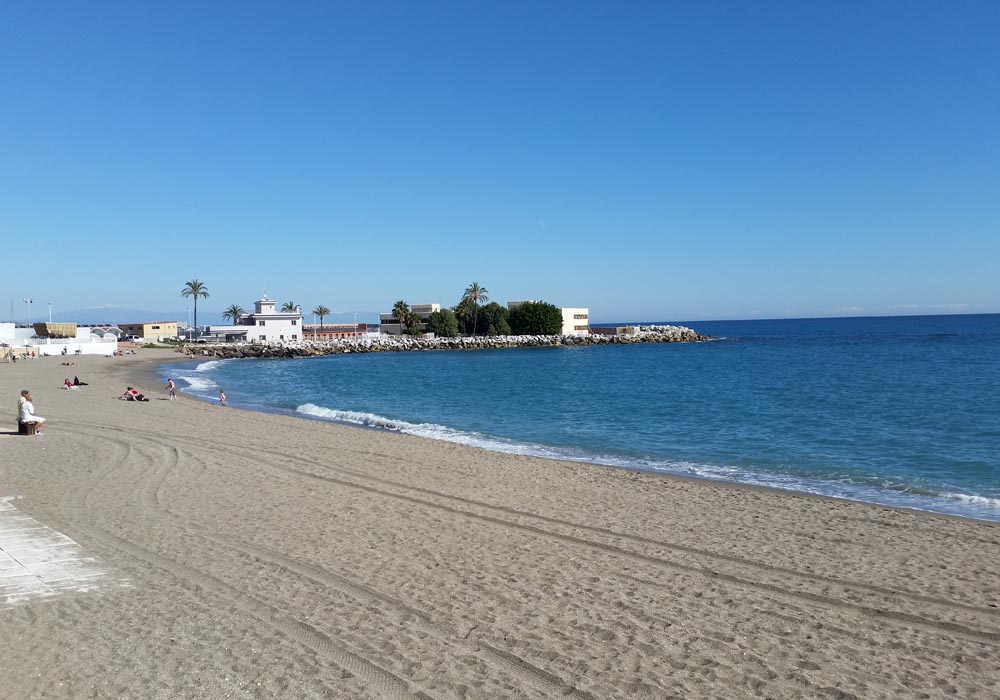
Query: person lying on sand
x=132, y=395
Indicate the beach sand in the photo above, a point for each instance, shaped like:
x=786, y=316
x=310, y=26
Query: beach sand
x=228, y=554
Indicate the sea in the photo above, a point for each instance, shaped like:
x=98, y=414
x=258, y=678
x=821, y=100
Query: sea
x=902, y=411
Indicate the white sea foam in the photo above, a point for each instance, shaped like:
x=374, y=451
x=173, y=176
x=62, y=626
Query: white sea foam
x=195, y=378
x=208, y=366
x=428, y=430
x=976, y=500
x=197, y=384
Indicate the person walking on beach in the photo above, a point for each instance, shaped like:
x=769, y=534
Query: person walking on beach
x=222, y=397
x=171, y=388
x=26, y=411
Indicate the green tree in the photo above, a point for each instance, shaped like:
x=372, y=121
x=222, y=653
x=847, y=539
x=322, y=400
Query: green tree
x=288, y=306
x=536, y=318
x=493, y=320
x=322, y=312
x=195, y=288
x=476, y=296
x=443, y=323
x=234, y=312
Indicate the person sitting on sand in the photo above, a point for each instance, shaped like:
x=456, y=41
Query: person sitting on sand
x=26, y=411
x=68, y=384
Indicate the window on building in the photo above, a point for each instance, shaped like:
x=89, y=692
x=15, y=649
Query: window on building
x=580, y=328
x=294, y=321
x=294, y=337
x=579, y=316
x=260, y=323
x=281, y=337
x=155, y=328
x=261, y=337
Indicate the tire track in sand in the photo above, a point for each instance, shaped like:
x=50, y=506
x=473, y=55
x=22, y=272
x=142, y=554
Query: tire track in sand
x=533, y=676
x=890, y=595
x=368, y=675
x=499, y=657
x=825, y=600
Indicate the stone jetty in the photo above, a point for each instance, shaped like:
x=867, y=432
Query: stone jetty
x=394, y=343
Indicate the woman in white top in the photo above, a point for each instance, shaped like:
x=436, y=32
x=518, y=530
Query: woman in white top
x=27, y=413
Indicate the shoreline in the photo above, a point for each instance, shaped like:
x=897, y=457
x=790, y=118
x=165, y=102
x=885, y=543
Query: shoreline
x=247, y=554
x=943, y=504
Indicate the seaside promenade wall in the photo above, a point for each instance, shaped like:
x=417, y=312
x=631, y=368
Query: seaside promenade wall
x=646, y=334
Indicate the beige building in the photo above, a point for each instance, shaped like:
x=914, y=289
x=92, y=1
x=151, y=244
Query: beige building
x=390, y=325
x=153, y=331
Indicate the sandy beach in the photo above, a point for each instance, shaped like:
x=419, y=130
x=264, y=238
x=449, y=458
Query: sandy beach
x=208, y=552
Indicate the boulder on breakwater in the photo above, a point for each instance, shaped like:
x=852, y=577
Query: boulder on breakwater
x=402, y=343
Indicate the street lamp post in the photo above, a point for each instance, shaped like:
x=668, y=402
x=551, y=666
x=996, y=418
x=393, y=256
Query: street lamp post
x=28, y=301
x=50, y=312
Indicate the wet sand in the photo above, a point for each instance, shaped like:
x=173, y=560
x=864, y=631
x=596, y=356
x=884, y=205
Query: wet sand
x=233, y=554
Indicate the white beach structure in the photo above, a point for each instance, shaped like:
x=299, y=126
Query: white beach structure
x=265, y=325
x=24, y=341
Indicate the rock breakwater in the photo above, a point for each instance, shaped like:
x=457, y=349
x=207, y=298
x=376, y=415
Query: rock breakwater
x=385, y=343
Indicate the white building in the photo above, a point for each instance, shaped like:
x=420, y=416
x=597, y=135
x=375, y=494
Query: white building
x=265, y=325
x=390, y=325
x=24, y=341
x=575, y=320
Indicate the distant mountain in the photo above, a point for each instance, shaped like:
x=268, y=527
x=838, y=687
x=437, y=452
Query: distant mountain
x=115, y=314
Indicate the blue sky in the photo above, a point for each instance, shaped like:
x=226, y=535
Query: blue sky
x=648, y=160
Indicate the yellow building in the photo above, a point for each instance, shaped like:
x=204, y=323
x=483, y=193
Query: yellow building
x=154, y=330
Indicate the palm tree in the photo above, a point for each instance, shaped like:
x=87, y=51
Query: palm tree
x=401, y=310
x=234, y=312
x=475, y=295
x=321, y=311
x=464, y=311
x=288, y=306
x=195, y=288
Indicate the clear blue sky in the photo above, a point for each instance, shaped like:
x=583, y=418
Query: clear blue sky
x=647, y=160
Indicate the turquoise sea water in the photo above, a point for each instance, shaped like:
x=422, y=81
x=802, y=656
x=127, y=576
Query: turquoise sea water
x=900, y=410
